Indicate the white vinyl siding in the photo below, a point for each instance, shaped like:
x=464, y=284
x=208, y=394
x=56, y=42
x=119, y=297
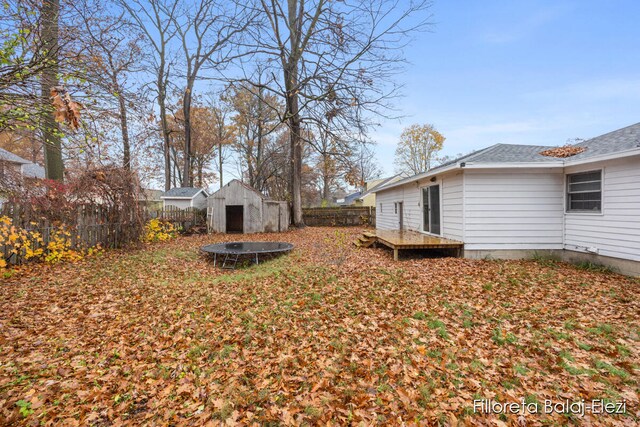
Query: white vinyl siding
x=410, y=195
x=178, y=203
x=614, y=232
x=513, y=209
x=452, y=207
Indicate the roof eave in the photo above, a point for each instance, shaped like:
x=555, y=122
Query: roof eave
x=512, y=165
x=418, y=177
x=603, y=157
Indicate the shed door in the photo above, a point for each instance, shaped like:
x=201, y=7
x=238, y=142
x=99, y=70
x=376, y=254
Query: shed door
x=431, y=209
x=234, y=218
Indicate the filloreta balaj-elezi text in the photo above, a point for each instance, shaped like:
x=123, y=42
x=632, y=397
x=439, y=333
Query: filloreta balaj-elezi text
x=579, y=407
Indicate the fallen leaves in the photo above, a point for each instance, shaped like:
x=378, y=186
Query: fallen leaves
x=564, y=151
x=329, y=335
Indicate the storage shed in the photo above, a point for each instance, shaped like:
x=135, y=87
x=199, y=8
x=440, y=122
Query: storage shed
x=239, y=208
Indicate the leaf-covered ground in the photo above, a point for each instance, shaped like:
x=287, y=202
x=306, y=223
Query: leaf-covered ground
x=329, y=335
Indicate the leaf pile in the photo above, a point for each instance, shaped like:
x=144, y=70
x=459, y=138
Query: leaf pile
x=564, y=151
x=329, y=335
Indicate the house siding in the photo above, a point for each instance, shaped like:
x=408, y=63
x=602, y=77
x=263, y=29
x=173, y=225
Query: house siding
x=452, y=207
x=410, y=194
x=200, y=201
x=178, y=203
x=507, y=209
x=615, y=232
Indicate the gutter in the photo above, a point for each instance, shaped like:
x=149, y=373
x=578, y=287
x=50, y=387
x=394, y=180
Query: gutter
x=415, y=178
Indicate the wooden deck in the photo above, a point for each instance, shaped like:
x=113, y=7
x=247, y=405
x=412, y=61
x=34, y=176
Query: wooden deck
x=406, y=239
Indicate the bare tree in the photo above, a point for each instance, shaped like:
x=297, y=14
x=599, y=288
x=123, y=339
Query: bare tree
x=111, y=51
x=155, y=19
x=333, y=60
x=223, y=134
x=208, y=33
x=255, y=120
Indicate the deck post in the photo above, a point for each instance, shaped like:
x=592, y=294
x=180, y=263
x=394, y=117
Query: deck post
x=395, y=254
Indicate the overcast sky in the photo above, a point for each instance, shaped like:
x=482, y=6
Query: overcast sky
x=521, y=72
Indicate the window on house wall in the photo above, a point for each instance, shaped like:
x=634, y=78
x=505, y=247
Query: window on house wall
x=584, y=192
x=380, y=207
x=395, y=207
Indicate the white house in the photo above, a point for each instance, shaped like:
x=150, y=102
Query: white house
x=23, y=168
x=510, y=201
x=16, y=171
x=185, y=197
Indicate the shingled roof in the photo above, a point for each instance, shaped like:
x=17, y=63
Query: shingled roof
x=182, y=192
x=10, y=157
x=618, y=141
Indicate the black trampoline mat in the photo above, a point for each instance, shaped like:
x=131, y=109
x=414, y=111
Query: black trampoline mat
x=242, y=248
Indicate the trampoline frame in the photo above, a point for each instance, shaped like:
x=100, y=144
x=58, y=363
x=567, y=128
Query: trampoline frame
x=232, y=255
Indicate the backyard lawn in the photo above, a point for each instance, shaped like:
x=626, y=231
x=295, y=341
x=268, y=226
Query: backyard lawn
x=329, y=335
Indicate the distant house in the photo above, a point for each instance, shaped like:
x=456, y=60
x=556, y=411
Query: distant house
x=11, y=164
x=185, y=197
x=366, y=196
x=511, y=201
x=239, y=208
x=16, y=171
x=151, y=198
x=349, y=199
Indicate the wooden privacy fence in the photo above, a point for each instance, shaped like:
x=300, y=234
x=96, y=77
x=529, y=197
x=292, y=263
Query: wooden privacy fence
x=340, y=216
x=88, y=228
x=186, y=218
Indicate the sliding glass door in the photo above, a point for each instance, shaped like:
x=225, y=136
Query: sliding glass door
x=431, y=209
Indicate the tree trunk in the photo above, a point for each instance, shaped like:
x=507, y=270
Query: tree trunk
x=54, y=167
x=325, y=178
x=186, y=110
x=220, y=163
x=166, y=146
x=295, y=144
x=126, y=149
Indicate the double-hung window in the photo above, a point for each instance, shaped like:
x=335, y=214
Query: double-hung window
x=584, y=192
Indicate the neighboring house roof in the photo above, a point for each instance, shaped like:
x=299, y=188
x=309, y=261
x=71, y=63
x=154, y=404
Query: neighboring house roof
x=32, y=170
x=618, y=142
x=182, y=193
x=349, y=198
x=380, y=184
x=10, y=157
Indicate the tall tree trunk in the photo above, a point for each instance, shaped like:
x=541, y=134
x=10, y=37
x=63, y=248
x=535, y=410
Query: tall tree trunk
x=164, y=125
x=186, y=110
x=124, y=128
x=295, y=142
x=325, y=177
x=220, y=162
x=54, y=167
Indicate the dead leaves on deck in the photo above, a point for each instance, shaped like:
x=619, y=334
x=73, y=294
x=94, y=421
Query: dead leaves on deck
x=329, y=335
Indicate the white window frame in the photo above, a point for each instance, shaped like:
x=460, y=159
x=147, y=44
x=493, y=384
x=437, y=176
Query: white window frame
x=567, y=194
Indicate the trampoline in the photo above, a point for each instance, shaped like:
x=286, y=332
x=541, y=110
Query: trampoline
x=232, y=251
